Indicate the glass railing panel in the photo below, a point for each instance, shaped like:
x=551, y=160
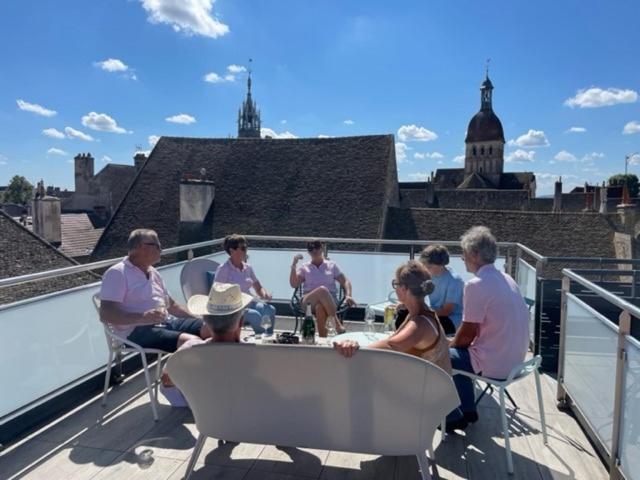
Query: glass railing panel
x=590, y=365
x=48, y=343
x=526, y=280
x=630, y=424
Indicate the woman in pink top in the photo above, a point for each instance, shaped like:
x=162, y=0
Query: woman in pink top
x=494, y=334
x=318, y=278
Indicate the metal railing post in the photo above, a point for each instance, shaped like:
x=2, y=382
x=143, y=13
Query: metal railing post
x=624, y=327
x=412, y=252
x=190, y=254
x=561, y=394
x=633, y=283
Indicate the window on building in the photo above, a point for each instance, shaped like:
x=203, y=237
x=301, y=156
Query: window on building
x=482, y=150
x=490, y=150
x=474, y=151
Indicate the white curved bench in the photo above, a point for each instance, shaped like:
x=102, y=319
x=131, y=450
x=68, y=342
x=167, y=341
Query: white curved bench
x=378, y=402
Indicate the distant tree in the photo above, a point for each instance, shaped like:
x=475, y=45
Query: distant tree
x=18, y=191
x=630, y=179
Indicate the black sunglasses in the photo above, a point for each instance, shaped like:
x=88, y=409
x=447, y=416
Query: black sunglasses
x=395, y=284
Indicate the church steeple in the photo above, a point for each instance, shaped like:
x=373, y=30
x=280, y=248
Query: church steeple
x=249, y=115
x=486, y=91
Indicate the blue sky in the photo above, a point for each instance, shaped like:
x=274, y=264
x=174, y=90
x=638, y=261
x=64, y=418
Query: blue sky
x=119, y=72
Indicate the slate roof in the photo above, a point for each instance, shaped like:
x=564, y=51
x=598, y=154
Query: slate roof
x=484, y=126
x=336, y=187
x=115, y=178
x=551, y=234
x=449, y=177
x=24, y=252
x=516, y=180
x=475, y=181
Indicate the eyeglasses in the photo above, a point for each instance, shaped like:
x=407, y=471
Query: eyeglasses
x=395, y=284
x=313, y=249
x=152, y=244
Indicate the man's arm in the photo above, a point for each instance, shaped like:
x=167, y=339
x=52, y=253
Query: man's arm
x=110, y=312
x=346, y=284
x=178, y=310
x=465, y=335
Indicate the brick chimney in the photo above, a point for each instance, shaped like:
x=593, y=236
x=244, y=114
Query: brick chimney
x=196, y=198
x=83, y=171
x=557, y=196
x=138, y=159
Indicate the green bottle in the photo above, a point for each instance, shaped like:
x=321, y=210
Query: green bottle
x=308, y=327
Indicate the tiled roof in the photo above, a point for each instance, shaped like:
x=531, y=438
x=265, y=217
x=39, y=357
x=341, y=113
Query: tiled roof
x=78, y=235
x=549, y=234
x=24, y=252
x=337, y=187
x=475, y=181
x=116, y=179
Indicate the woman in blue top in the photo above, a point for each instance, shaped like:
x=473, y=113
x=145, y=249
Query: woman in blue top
x=446, y=298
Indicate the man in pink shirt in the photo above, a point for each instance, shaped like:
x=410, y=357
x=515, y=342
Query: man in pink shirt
x=494, y=334
x=136, y=303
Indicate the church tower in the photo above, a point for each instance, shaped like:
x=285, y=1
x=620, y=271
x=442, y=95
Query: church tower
x=249, y=115
x=484, y=152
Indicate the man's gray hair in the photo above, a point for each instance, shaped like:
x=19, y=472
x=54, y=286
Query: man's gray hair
x=221, y=324
x=480, y=242
x=138, y=236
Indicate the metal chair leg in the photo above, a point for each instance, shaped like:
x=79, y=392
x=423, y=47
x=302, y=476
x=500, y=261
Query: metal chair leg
x=513, y=402
x=194, y=456
x=107, y=377
x=147, y=378
x=423, y=462
x=505, y=431
x=543, y=420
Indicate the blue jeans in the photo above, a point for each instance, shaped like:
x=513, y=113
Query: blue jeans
x=461, y=360
x=253, y=316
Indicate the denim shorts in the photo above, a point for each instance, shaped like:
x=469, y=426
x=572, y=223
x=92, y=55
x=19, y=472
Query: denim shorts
x=165, y=336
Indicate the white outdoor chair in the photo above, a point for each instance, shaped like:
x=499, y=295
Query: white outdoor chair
x=193, y=277
x=517, y=373
x=378, y=402
x=119, y=347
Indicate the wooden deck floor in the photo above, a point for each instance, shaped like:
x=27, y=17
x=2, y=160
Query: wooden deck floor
x=104, y=443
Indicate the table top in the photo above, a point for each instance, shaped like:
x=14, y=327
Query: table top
x=364, y=339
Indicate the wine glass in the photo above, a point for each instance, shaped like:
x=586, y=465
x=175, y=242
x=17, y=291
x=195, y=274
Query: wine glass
x=369, y=320
x=266, y=323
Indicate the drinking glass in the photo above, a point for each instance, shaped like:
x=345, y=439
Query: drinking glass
x=266, y=324
x=331, y=327
x=369, y=320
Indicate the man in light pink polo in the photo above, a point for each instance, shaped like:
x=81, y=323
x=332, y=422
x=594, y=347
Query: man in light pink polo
x=136, y=303
x=494, y=335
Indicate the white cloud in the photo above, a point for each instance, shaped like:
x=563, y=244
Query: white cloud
x=192, y=17
x=423, y=156
x=325, y=136
x=106, y=158
x=564, y=156
x=53, y=133
x=631, y=127
x=533, y=138
x=35, y=108
x=590, y=157
x=3, y=159
x=595, y=97
x=213, y=77
x=181, y=118
x=153, y=139
x=634, y=159
x=236, y=69
x=56, y=151
x=520, y=156
x=283, y=122
x=73, y=133
x=418, y=177
x=115, y=65
x=268, y=132
x=102, y=122
x=413, y=133
x=576, y=130
x=458, y=159
x=112, y=65
x=348, y=122
x=401, y=152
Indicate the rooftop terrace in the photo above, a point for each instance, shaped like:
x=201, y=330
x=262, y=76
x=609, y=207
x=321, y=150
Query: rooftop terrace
x=52, y=424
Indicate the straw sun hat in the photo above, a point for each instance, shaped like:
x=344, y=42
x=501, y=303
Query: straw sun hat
x=223, y=299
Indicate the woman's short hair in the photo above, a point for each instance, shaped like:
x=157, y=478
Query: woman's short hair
x=415, y=277
x=233, y=241
x=314, y=245
x=138, y=236
x=435, y=255
x=221, y=324
x=480, y=242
